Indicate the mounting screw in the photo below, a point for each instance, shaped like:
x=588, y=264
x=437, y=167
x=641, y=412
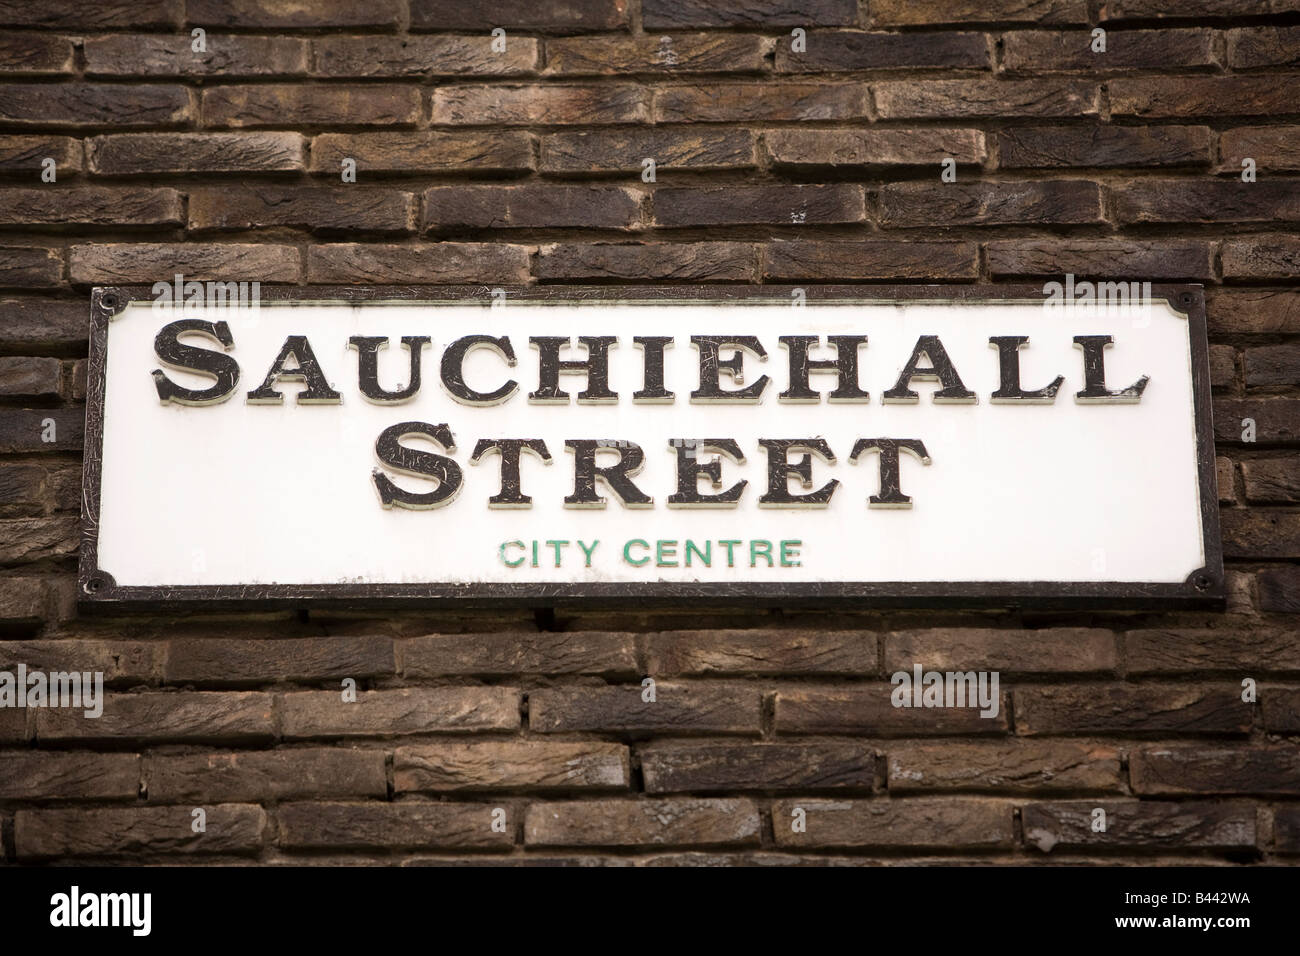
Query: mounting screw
x=109, y=302
x=94, y=584
x=1202, y=582
x=1186, y=298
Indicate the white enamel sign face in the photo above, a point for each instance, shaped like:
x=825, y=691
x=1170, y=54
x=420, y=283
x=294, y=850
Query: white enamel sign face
x=980, y=478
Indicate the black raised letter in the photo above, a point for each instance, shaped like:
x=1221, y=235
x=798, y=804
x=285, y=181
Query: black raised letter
x=780, y=470
x=413, y=461
x=941, y=370
x=1094, y=375
x=711, y=366
x=891, y=494
x=306, y=369
x=617, y=477
x=595, y=366
x=368, y=367
x=844, y=365
x=1009, y=389
x=690, y=470
x=453, y=370
x=173, y=353
x=511, y=494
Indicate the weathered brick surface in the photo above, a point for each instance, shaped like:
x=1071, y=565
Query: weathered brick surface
x=670, y=821
x=69, y=776
x=1013, y=766
x=161, y=718
x=959, y=822
x=1132, y=709
x=620, y=142
x=510, y=766
x=1069, y=826
x=669, y=768
x=677, y=708
x=344, y=826
x=384, y=713
x=262, y=776
x=231, y=828
x=572, y=652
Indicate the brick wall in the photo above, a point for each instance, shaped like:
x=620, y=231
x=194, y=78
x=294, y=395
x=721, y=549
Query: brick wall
x=524, y=166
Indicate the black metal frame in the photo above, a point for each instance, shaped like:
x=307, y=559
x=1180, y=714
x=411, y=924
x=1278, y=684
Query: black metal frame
x=1204, y=588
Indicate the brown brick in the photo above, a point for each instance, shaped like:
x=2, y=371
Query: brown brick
x=782, y=205
x=559, y=16
x=324, y=209
x=1277, y=420
x=110, y=15
x=287, y=14
x=1060, y=650
x=434, y=262
x=669, y=768
x=33, y=54
x=36, y=488
x=1286, y=829
x=1066, y=201
x=867, y=709
x=1272, y=480
x=677, y=708
x=847, y=51
x=164, y=718
x=1216, y=649
x=782, y=651
x=530, y=207
x=807, y=259
x=424, y=56
x=1103, y=146
x=673, y=821
x=1196, y=768
x=966, y=99
x=1272, y=365
x=1261, y=533
x=24, y=430
x=121, y=662
x=1154, y=259
x=22, y=601
x=1201, y=826
x=1154, y=9
x=15, y=724
x=424, y=151
x=950, y=823
x=1263, y=46
x=130, y=154
x=235, y=661
x=262, y=776
x=770, y=102
x=23, y=155
x=1281, y=709
x=932, y=12
x=873, y=148
x=1033, y=51
x=1205, y=200
x=280, y=104
x=30, y=267
x=69, y=776
x=411, y=710
x=540, y=105
x=23, y=540
x=344, y=826
x=147, y=262
x=690, y=53
x=230, y=828
x=225, y=56
x=677, y=14
x=1131, y=709
x=1153, y=97
x=1012, y=766
x=1279, y=590
x=624, y=150
x=30, y=378
x=1223, y=366
x=81, y=105
x=515, y=765
x=91, y=206
x=696, y=261
x=1273, y=148
x=545, y=652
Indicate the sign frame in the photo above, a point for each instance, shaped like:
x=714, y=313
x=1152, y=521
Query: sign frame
x=1203, y=589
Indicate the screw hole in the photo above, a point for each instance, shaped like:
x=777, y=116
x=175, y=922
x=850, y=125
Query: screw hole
x=1202, y=582
x=109, y=301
